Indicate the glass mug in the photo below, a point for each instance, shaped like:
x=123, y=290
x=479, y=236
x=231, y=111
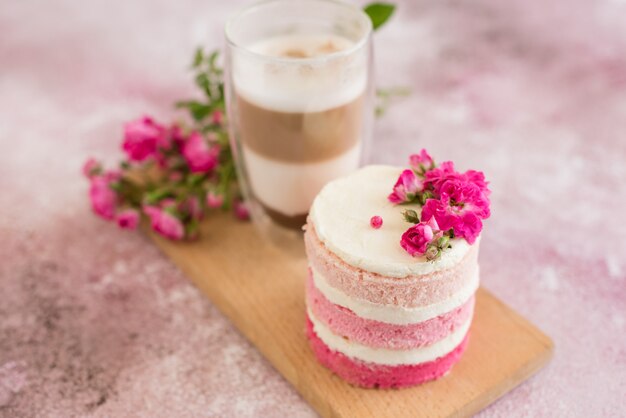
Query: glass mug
x=299, y=95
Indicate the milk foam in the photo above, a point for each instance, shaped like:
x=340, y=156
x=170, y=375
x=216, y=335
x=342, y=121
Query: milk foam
x=324, y=79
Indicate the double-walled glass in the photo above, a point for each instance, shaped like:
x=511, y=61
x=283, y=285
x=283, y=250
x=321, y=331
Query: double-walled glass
x=299, y=95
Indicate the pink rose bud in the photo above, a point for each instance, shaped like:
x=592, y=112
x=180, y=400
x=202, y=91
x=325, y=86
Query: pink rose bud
x=421, y=162
x=200, y=157
x=432, y=253
x=405, y=189
x=217, y=117
x=240, y=210
x=103, y=198
x=165, y=223
x=142, y=138
x=416, y=239
x=193, y=207
x=175, y=176
x=376, y=222
x=214, y=200
x=128, y=219
x=177, y=135
x=168, y=203
x=91, y=168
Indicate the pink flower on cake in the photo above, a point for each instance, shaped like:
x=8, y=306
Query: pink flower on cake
x=142, y=138
x=406, y=188
x=421, y=162
x=461, y=207
x=103, y=198
x=478, y=178
x=200, y=157
x=435, y=178
x=214, y=200
x=128, y=219
x=165, y=223
x=416, y=239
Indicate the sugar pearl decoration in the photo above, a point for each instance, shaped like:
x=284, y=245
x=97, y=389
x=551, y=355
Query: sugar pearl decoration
x=376, y=222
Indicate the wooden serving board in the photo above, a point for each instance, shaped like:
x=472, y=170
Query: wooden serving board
x=261, y=290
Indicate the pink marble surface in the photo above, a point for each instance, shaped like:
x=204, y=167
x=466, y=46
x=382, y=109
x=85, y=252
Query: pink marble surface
x=95, y=322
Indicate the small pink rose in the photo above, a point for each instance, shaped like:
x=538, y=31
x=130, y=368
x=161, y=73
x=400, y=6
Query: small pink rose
x=91, y=168
x=193, y=207
x=437, y=210
x=405, y=189
x=142, y=138
x=102, y=196
x=177, y=136
x=461, y=207
x=217, y=117
x=376, y=222
x=433, y=179
x=469, y=227
x=415, y=240
x=214, y=200
x=200, y=157
x=478, y=178
x=165, y=223
x=421, y=162
x=175, y=176
x=241, y=210
x=128, y=219
x=168, y=203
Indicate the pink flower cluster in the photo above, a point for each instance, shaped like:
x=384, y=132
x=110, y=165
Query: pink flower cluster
x=188, y=183
x=453, y=204
x=145, y=140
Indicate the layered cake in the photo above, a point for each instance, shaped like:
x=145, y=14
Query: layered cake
x=393, y=270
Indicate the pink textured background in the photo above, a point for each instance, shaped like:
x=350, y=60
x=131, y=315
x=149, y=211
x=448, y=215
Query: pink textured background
x=95, y=322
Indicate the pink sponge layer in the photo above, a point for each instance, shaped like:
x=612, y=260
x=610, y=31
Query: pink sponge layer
x=344, y=322
x=371, y=375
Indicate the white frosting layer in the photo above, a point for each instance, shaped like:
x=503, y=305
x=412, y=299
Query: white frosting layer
x=290, y=188
x=386, y=356
x=292, y=85
x=393, y=314
x=341, y=215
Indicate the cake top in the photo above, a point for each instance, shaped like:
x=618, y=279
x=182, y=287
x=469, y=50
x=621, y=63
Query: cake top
x=399, y=222
x=341, y=214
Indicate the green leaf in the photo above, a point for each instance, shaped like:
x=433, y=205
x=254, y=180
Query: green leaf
x=411, y=216
x=379, y=13
x=198, y=110
x=212, y=60
x=157, y=195
x=195, y=179
x=197, y=59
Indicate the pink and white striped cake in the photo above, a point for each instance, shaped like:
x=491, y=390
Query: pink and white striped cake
x=377, y=316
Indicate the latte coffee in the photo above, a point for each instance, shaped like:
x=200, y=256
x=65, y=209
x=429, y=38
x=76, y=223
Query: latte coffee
x=300, y=122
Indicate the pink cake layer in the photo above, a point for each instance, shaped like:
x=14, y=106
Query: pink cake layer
x=370, y=375
x=411, y=291
x=342, y=321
